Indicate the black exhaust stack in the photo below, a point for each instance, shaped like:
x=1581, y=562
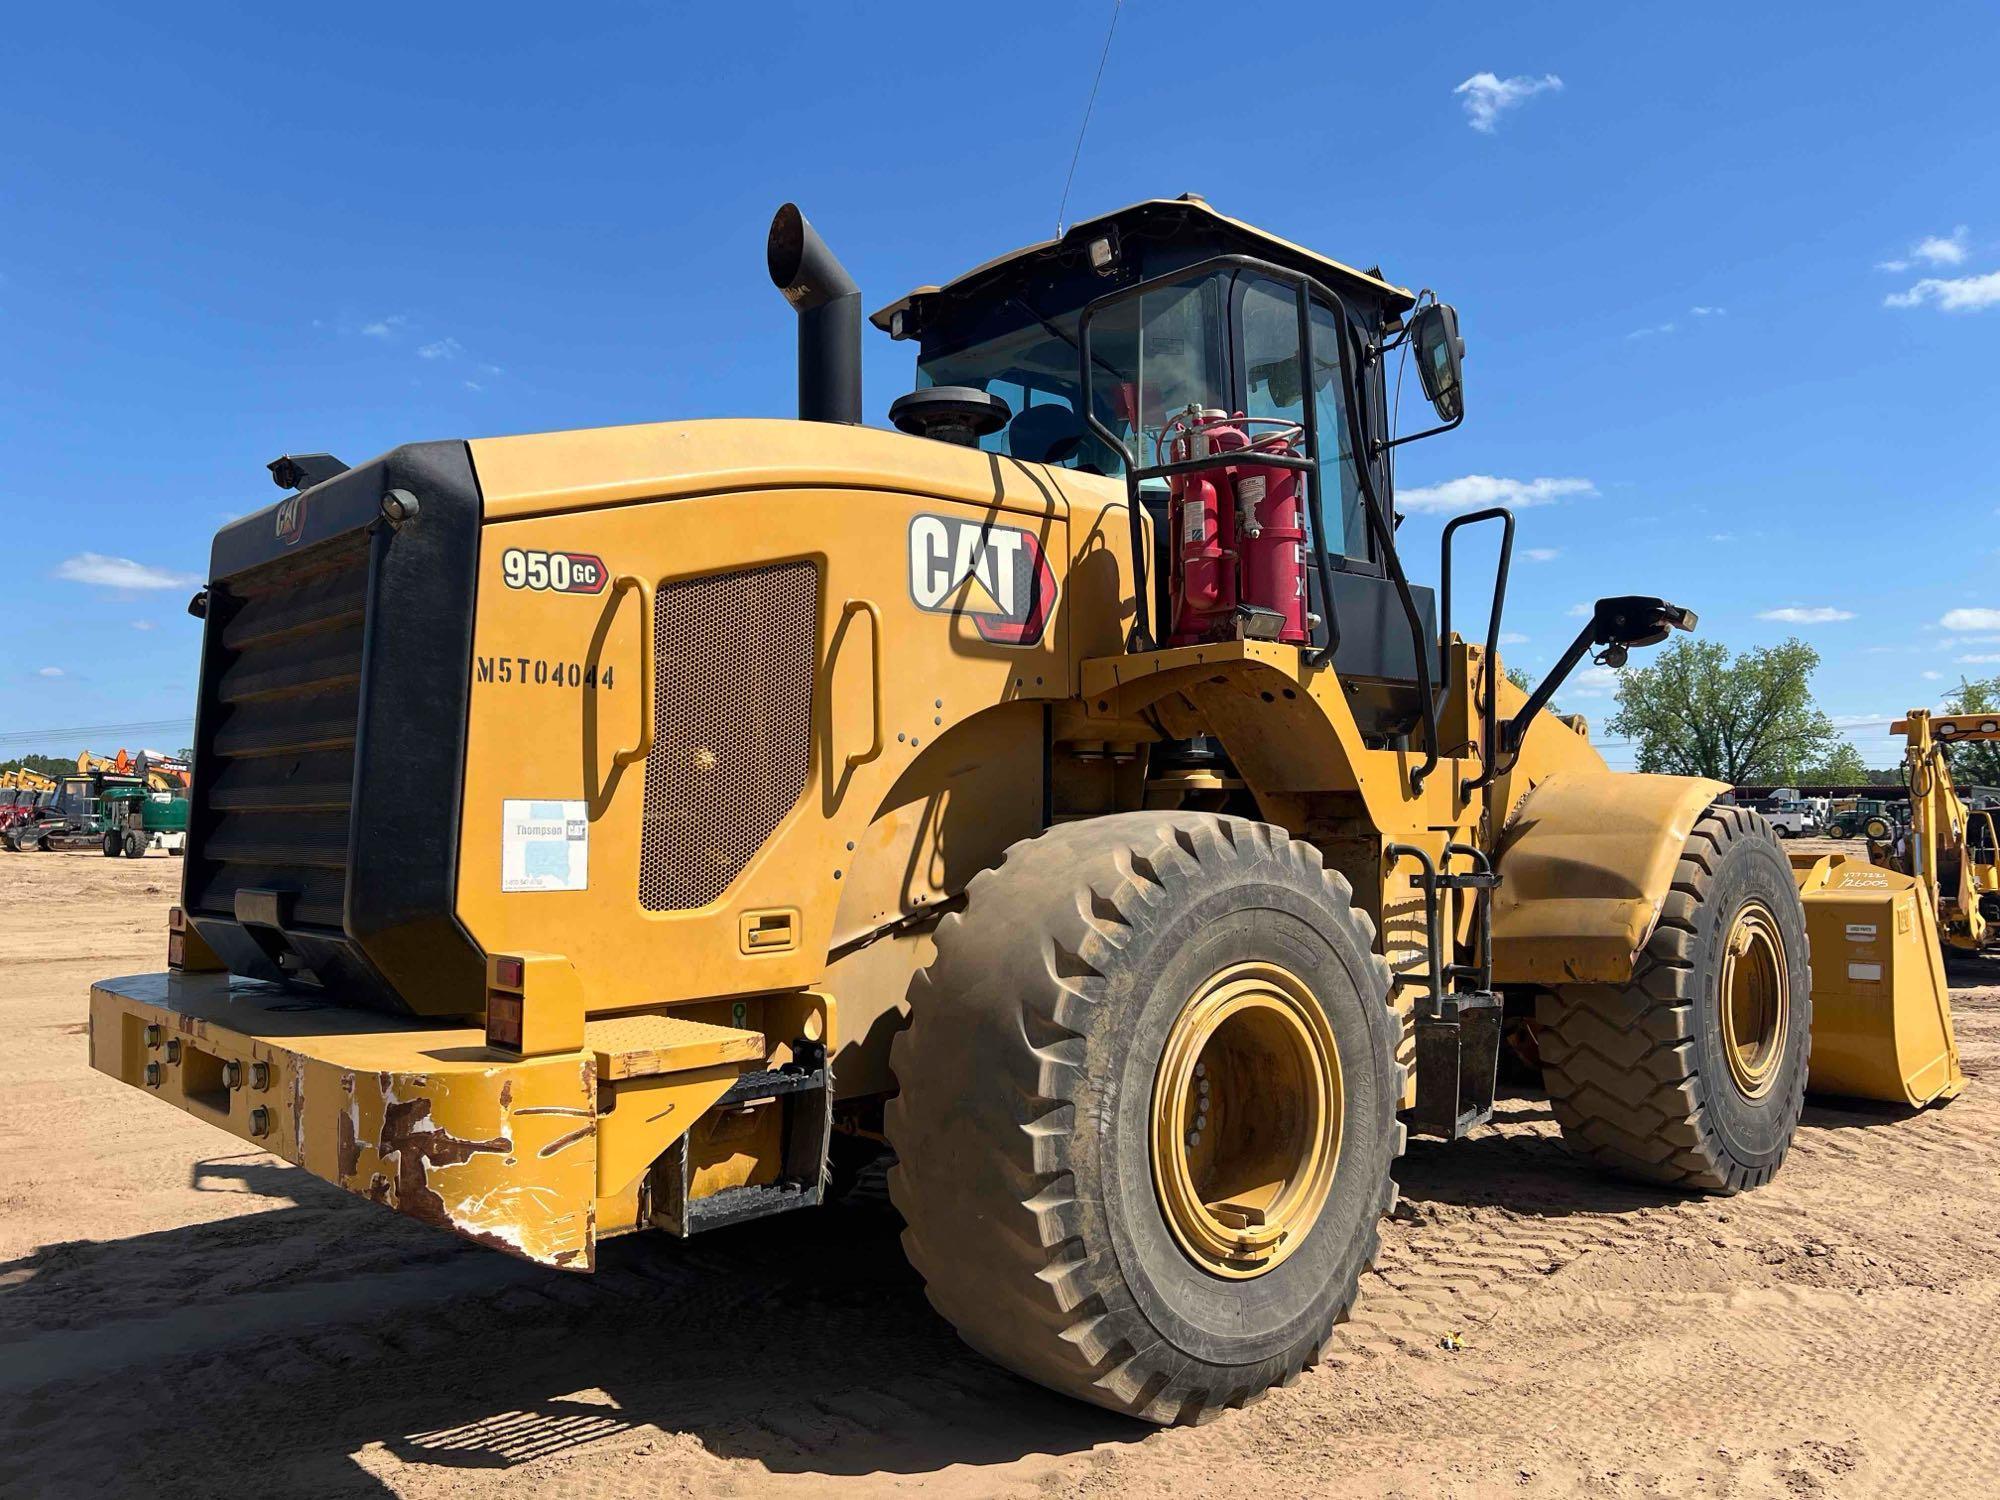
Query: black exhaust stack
x=829, y=307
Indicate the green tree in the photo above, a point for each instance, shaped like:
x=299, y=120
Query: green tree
x=1522, y=678
x=1843, y=766
x=1975, y=763
x=1697, y=711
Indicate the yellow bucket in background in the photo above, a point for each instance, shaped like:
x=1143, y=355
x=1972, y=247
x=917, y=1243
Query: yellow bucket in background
x=1881, y=1005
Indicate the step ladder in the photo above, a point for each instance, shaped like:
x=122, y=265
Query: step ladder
x=1458, y=1017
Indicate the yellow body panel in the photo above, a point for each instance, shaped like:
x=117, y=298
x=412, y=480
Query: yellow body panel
x=420, y=1119
x=1881, y=1003
x=1585, y=864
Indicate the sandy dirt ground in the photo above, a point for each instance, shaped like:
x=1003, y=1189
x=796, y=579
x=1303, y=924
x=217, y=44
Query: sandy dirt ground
x=180, y=1317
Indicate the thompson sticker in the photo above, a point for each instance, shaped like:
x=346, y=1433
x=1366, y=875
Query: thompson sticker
x=995, y=576
x=544, y=846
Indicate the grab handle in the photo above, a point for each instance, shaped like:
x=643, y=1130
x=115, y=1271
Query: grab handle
x=847, y=612
x=623, y=583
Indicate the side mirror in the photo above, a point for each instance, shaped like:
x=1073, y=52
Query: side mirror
x=1440, y=353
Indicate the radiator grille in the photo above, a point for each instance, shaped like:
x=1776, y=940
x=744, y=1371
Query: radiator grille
x=279, y=770
x=732, y=726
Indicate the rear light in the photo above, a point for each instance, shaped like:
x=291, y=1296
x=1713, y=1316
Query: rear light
x=503, y=1021
x=509, y=972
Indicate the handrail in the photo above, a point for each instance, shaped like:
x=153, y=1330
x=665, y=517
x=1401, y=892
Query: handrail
x=1303, y=287
x=624, y=583
x=1489, y=707
x=1433, y=939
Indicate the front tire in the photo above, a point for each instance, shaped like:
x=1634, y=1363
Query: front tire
x=1148, y=1111
x=1694, y=1073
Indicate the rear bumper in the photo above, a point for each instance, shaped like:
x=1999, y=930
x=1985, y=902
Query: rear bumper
x=425, y=1120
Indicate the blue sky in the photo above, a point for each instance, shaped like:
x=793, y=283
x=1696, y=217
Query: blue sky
x=1727, y=278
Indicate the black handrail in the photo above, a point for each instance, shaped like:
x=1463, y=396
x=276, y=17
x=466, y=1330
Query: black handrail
x=1305, y=288
x=1433, y=938
x=1489, y=706
x=1141, y=638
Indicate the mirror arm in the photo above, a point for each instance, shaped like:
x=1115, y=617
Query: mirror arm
x=1381, y=446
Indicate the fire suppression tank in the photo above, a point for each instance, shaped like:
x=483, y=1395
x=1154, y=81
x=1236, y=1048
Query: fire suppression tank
x=1239, y=556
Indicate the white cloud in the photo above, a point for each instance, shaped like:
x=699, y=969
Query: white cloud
x=1542, y=554
x=1591, y=682
x=1722, y=536
x=48, y=671
x=1512, y=638
x=472, y=385
x=1487, y=97
x=1579, y=611
x=1860, y=721
x=120, y=573
x=1932, y=676
x=1932, y=250
x=1971, y=619
x=1474, y=490
x=1813, y=614
x=1955, y=294
x=446, y=348
x=142, y=624
x=1979, y=658
x=1708, y=312
x=1942, y=249
x=1646, y=333
x=383, y=328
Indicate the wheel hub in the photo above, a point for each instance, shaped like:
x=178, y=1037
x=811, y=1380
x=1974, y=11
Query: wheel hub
x=1247, y=1112
x=1755, y=1000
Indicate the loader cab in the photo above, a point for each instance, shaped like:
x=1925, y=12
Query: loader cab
x=1097, y=343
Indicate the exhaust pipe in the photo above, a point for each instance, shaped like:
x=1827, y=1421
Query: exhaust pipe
x=829, y=307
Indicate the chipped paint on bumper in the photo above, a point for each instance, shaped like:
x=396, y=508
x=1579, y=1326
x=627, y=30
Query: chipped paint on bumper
x=421, y=1119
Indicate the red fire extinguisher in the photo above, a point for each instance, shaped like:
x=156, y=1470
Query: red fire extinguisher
x=1202, y=517
x=1238, y=535
x=1271, y=535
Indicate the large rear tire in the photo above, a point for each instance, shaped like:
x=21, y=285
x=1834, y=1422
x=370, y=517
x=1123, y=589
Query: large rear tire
x=1694, y=1074
x=1148, y=1111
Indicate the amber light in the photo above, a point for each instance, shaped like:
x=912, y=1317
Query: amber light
x=509, y=972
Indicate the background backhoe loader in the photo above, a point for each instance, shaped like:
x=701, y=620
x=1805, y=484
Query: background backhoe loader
x=599, y=831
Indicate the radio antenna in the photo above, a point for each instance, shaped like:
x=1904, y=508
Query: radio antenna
x=1089, y=105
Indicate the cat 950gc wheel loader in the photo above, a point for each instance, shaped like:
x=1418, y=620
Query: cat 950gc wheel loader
x=600, y=831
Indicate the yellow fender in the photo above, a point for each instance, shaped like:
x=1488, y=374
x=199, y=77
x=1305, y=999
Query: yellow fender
x=1585, y=865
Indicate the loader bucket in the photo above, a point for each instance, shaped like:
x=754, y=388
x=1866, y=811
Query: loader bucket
x=1881, y=1007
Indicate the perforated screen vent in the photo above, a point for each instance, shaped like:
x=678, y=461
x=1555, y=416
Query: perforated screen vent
x=732, y=726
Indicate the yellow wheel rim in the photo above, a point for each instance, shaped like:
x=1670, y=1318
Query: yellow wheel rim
x=1247, y=1110
x=1756, y=1000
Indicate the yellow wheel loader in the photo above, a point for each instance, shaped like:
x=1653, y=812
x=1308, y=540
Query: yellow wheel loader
x=1070, y=790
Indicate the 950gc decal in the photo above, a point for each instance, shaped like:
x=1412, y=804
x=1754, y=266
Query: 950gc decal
x=995, y=576
x=553, y=572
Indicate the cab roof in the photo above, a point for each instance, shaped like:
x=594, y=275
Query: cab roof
x=1162, y=217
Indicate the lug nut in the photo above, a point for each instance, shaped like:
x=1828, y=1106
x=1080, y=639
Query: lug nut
x=1194, y=1139
x=152, y=1075
x=232, y=1075
x=260, y=1075
x=152, y=1035
x=1200, y=1123
x=1202, y=1084
x=174, y=1050
x=260, y=1121
x=1201, y=1070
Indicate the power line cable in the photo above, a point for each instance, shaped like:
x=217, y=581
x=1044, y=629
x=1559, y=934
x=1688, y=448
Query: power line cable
x=1090, y=104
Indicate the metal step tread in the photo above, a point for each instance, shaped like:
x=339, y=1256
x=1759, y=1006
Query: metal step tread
x=643, y=1046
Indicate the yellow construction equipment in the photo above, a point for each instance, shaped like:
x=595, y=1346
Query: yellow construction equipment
x=1069, y=790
